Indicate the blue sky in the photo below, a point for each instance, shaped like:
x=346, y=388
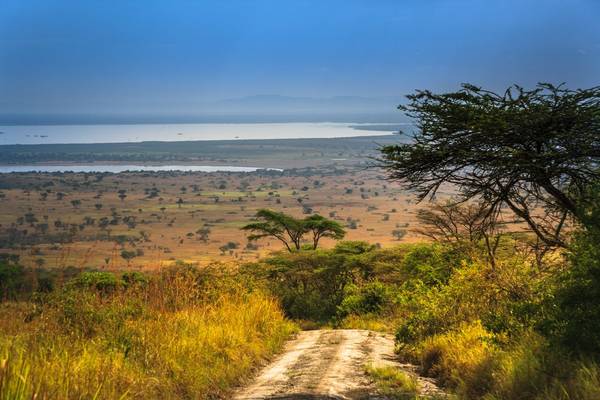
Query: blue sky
x=172, y=56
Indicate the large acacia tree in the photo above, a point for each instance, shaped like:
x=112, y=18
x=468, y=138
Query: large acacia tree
x=534, y=152
x=283, y=227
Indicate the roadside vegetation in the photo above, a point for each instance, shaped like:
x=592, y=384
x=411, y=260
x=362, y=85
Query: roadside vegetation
x=393, y=383
x=182, y=333
x=501, y=301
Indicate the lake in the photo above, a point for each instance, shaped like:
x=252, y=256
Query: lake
x=122, y=168
x=36, y=134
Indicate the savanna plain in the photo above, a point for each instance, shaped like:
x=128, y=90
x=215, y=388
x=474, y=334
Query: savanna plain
x=320, y=279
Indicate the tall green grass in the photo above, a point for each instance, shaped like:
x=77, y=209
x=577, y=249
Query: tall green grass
x=393, y=383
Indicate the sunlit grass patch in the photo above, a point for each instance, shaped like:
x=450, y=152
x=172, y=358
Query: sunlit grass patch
x=394, y=383
x=173, y=337
x=368, y=322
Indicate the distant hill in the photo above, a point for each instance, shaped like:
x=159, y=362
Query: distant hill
x=269, y=104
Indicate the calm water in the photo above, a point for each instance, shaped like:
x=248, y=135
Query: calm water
x=34, y=134
x=122, y=168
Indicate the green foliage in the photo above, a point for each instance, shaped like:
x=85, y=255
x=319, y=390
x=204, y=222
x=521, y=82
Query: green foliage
x=290, y=231
x=432, y=264
x=87, y=313
x=132, y=279
x=309, y=284
x=353, y=247
x=312, y=284
x=534, y=151
x=354, y=278
x=394, y=383
x=283, y=227
x=101, y=281
x=575, y=319
x=12, y=278
x=322, y=227
x=370, y=298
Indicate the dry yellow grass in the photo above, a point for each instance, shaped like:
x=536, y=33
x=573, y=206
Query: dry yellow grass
x=175, y=338
x=377, y=206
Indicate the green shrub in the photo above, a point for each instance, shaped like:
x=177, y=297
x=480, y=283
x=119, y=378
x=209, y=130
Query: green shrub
x=132, y=279
x=310, y=284
x=371, y=298
x=432, y=264
x=353, y=247
x=100, y=281
x=575, y=318
x=12, y=278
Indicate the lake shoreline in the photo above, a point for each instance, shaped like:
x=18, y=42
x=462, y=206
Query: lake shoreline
x=100, y=168
x=140, y=133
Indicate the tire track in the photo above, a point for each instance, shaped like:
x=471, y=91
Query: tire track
x=328, y=364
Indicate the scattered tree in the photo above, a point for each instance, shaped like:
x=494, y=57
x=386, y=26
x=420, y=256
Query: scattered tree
x=283, y=227
x=290, y=231
x=128, y=256
x=323, y=227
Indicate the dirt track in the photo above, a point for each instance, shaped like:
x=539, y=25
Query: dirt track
x=328, y=364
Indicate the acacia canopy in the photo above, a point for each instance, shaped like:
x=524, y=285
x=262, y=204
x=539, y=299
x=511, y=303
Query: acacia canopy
x=290, y=231
x=533, y=151
x=323, y=227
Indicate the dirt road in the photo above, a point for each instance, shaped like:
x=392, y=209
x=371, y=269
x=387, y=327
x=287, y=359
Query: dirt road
x=328, y=364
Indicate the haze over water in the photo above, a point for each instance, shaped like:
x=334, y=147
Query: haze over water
x=46, y=134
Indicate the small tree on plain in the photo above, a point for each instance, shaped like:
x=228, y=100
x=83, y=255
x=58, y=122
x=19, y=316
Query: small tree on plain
x=283, y=227
x=323, y=227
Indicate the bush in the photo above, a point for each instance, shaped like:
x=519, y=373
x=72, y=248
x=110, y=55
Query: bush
x=525, y=371
x=132, y=279
x=101, y=281
x=432, y=264
x=371, y=298
x=12, y=278
x=310, y=284
x=575, y=312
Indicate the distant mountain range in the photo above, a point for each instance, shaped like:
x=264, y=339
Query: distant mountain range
x=286, y=104
x=259, y=108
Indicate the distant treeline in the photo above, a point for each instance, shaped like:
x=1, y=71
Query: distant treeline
x=214, y=150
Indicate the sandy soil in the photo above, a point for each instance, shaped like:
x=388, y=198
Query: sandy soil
x=328, y=364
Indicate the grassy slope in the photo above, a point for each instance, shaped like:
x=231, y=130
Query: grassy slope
x=170, y=340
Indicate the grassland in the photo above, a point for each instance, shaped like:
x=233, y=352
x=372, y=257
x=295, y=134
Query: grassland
x=479, y=328
x=169, y=337
x=80, y=219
